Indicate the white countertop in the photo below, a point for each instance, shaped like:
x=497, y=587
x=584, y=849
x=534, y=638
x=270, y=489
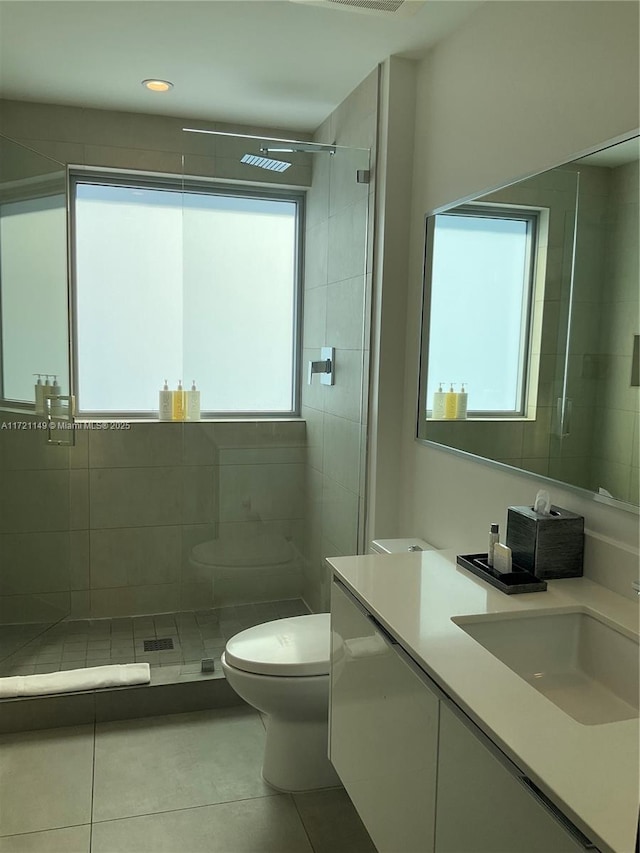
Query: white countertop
x=591, y=772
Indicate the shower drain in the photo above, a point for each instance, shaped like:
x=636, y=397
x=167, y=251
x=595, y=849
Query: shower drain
x=158, y=645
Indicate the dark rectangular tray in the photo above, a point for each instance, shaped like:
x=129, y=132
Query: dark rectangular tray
x=517, y=581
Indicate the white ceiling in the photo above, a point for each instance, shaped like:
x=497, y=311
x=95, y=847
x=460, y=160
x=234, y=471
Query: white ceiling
x=264, y=62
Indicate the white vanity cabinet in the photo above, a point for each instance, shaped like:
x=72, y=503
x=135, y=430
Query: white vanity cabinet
x=383, y=730
x=422, y=776
x=484, y=805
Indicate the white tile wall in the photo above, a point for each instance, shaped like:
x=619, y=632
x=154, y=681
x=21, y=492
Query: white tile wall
x=338, y=222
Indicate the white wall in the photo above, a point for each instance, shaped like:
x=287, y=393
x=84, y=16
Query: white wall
x=393, y=175
x=521, y=87
x=337, y=301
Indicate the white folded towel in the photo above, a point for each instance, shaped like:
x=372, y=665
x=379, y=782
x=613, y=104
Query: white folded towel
x=71, y=680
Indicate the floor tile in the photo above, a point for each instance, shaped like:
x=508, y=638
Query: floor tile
x=196, y=635
x=158, y=763
x=265, y=825
x=71, y=839
x=45, y=779
x=332, y=823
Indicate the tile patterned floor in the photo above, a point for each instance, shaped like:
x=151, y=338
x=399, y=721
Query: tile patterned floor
x=95, y=642
x=184, y=782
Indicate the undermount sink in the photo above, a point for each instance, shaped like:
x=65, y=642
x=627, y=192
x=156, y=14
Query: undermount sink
x=583, y=665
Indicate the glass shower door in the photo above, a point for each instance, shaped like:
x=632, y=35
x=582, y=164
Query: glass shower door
x=294, y=487
x=337, y=305
x=35, y=493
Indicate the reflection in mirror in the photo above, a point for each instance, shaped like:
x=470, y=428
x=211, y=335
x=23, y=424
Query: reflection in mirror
x=33, y=274
x=549, y=310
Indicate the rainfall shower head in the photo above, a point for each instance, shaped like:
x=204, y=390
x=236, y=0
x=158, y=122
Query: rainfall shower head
x=265, y=162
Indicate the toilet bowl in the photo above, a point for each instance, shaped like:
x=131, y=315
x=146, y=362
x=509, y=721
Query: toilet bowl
x=282, y=669
x=262, y=567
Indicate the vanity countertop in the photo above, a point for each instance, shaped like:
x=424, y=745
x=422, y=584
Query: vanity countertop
x=589, y=771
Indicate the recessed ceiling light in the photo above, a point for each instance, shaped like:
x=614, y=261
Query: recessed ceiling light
x=157, y=85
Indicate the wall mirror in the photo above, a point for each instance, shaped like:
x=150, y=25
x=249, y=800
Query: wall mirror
x=531, y=300
x=33, y=274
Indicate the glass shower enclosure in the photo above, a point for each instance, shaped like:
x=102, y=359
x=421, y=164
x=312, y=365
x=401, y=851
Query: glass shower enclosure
x=37, y=551
x=223, y=521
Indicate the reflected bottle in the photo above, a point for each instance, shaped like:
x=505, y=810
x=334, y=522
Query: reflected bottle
x=461, y=404
x=56, y=402
x=450, y=403
x=39, y=395
x=47, y=390
x=438, y=403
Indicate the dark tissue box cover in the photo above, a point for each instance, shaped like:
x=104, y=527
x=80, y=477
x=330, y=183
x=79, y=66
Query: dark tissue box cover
x=549, y=546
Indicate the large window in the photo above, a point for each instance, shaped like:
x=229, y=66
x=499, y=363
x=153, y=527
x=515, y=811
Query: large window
x=184, y=281
x=482, y=261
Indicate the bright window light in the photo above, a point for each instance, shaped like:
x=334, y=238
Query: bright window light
x=481, y=285
x=184, y=284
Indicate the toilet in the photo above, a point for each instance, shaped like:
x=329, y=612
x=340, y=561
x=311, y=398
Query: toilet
x=282, y=669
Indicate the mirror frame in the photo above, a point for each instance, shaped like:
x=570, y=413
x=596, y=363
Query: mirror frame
x=426, y=318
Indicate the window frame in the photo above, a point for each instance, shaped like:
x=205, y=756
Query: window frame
x=180, y=184
x=491, y=210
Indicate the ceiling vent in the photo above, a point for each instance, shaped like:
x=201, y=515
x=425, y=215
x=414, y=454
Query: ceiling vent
x=397, y=8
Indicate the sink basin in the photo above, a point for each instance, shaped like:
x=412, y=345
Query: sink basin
x=583, y=665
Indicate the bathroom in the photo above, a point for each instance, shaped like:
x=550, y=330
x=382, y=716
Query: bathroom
x=411, y=488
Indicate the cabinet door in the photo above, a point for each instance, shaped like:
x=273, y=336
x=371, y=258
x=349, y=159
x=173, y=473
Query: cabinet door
x=383, y=731
x=483, y=807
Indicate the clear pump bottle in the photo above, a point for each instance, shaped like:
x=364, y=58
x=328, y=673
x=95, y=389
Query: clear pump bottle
x=494, y=539
x=165, y=403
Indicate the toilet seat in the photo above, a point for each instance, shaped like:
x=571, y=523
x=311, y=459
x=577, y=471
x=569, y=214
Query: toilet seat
x=296, y=646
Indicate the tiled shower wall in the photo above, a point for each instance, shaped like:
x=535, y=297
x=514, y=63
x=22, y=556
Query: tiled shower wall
x=337, y=308
x=106, y=528
x=39, y=559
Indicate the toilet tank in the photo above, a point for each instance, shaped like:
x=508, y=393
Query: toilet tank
x=398, y=546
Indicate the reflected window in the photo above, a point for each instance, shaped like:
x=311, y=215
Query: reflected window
x=482, y=273
x=33, y=297
x=184, y=281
